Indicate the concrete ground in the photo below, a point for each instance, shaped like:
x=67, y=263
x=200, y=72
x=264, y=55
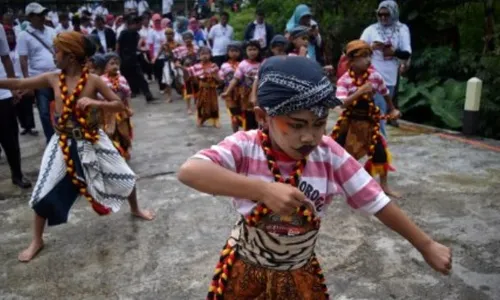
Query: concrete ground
x=451, y=190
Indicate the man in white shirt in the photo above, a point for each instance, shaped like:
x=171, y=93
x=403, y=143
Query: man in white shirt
x=36, y=53
x=64, y=24
x=260, y=31
x=101, y=10
x=9, y=130
x=166, y=8
x=130, y=6
x=220, y=36
x=142, y=7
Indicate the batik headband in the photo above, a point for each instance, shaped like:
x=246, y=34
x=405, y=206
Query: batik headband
x=291, y=83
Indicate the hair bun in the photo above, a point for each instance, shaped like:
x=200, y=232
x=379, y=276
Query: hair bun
x=89, y=46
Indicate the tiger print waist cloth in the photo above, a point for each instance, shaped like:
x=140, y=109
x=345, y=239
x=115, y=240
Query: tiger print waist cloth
x=272, y=250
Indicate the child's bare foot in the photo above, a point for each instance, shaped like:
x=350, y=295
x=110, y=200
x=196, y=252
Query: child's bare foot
x=29, y=253
x=144, y=214
x=217, y=125
x=390, y=192
x=189, y=111
x=199, y=123
x=168, y=99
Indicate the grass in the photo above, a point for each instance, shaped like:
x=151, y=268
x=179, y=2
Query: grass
x=240, y=20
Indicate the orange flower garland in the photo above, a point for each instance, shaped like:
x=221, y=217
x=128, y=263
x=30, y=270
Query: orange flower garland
x=229, y=253
x=92, y=135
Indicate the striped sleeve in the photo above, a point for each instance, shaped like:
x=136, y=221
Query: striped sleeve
x=342, y=88
x=362, y=192
x=380, y=84
x=228, y=153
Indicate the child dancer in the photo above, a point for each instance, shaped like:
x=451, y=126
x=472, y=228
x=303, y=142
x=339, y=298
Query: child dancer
x=80, y=159
x=226, y=73
x=96, y=64
x=185, y=56
x=205, y=74
x=118, y=126
x=270, y=253
x=358, y=129
x=244, y=77
x=170, y=74
x=299, y=41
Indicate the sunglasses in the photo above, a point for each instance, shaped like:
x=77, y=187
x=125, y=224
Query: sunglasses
x=381, y=15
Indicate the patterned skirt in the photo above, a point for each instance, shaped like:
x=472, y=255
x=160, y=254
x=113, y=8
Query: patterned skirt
x=247, y=108
x=108, y=177
x=119, y=128
x=207, y=104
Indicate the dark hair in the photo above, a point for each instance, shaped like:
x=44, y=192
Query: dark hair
x=224, y=14
x=260, y=12
x=88, y=47
x=255, y=44
x=63, y=16
x=99, y=18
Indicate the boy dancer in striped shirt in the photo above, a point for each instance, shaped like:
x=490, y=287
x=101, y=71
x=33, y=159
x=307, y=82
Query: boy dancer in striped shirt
x=282, y=179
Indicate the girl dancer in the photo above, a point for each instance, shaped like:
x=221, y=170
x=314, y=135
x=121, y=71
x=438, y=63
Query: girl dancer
x=170, y=74
x=226, y=73
x=205, y=74
x=270, y=253
x=244, y=76
x=80, y=159
x=185, y=56
x=118, y=126
x=358, y=128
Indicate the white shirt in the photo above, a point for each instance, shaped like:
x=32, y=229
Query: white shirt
x=40, y=59
x=166, y=6
x=101, y=11
x=60, y=29
x=142, y=7
x=178, y=38
x=144, y=32
x=260, y=34
x=130, y=4
x=54, y=17
x=4, y=50
x=102, y=39
x=398, y=38
x=119, y=30
x=16, y=63
x=221, y=36
x=156, y=38
x=83, y=8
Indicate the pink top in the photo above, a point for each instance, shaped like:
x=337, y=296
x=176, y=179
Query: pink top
x=330, y=172
x=124, y=91
x=346, y=86
x=182, y=51
x=227, y=71
x=246, y=72
x=200, y=71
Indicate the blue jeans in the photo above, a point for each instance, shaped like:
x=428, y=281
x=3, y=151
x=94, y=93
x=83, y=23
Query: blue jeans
x=43, y=98
x=382, y=105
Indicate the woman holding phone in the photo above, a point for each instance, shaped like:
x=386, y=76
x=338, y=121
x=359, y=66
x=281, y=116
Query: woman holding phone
x=391, y=45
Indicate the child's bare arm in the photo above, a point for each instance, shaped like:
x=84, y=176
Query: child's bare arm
x=211, y=178
x=231, y=86
x=436, y=255
x=112, y=102
x=30, y=83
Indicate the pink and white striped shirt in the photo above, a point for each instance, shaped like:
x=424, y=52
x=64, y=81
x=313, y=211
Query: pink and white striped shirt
x=329, y=172
x=124, y=91
x=246, y=71
x=200, y=71
x=346, y=86
x=227, y=71
x=182, y=52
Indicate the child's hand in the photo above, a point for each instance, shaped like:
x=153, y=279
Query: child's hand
x=303, y=51
x=281, y=198
x=438, y=257
x=367, y=88
x=395, y=114
x=224, y=95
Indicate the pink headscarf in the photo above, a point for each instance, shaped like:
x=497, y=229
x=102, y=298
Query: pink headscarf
x=194, y=25
x=165, y=22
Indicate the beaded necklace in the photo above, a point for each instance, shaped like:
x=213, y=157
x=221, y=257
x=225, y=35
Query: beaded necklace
x=373, y=113
x=91, y=135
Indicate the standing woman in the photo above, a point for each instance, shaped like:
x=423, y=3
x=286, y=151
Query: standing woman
x=181, y=25
x=390, y=42
x=24, y=108
x=156, y=39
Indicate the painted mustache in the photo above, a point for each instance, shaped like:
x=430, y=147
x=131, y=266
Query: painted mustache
x=306, y=149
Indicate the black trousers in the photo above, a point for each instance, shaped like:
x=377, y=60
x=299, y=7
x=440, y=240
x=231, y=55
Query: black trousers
x=9, y=136
x=158, y=72
x=24, y=111
x=146, y=67
x=131, y=70
x=219, y=60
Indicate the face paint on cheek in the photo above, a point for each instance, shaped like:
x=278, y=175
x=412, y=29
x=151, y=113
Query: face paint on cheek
x=282, y=126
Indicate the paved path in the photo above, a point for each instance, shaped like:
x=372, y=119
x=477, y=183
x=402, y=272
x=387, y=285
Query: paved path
x=452, y=190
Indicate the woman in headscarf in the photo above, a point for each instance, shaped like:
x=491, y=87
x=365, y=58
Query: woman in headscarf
x=199, y=37
x=156, y=38
x=181, y=26
x=24, y=108
x=302, y=16
x=80, y=159
x=390, y=42
x=166, y=23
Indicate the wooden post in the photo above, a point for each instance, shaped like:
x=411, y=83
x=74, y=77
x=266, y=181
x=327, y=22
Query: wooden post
x=471, y=109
